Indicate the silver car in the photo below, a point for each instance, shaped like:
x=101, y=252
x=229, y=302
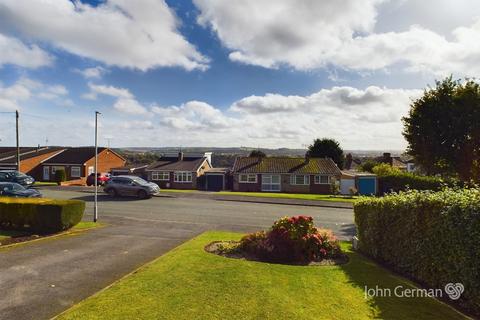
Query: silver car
x=130, y=186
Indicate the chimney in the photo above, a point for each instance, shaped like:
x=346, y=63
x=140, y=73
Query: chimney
x=180, y=156
x=387, y=158
x=208, y=155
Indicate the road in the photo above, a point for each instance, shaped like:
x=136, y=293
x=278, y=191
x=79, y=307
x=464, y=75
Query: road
x=43, y=278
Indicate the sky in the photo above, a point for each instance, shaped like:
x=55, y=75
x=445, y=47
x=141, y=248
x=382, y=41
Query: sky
x=218, y=73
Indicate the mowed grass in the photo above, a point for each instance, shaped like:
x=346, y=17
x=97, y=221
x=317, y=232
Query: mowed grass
x=188, y=283
x=300, y=196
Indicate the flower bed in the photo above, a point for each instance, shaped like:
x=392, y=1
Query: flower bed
x=292, y=240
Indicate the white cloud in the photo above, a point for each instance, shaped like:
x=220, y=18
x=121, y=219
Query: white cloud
x=131, y=106
x=125, y=100
x=109, y=91
x=136, y=34
x=13, y=51
x=25, y=89
x=92, y=73
x=275, y=120
x=315, y=34
x=193, y=115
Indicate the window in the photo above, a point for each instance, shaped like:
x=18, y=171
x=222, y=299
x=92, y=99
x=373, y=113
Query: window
x=248, y=178
x=322, y=179
x=161, y=175
x=300, y=180
x=75, y=172
x=270, y=182
x=183, y=176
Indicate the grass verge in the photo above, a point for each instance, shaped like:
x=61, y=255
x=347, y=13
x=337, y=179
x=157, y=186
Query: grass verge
x=299, y=196
x=188, y=283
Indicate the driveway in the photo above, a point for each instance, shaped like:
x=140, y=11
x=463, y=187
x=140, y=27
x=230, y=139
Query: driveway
x=43, y=278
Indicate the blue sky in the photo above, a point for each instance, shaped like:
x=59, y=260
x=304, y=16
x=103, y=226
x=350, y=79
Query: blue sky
x=217, y=73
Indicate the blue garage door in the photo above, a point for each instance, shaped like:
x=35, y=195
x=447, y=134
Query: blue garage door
x=367, y=185
x=214, y=182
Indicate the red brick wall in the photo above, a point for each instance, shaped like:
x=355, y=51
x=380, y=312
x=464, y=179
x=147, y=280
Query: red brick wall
x=247, y=187
x=106, y=161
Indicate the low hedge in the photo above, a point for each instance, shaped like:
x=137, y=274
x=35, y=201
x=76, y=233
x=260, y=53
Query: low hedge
x=402, y=181
x=40, y=215
x=433, y=237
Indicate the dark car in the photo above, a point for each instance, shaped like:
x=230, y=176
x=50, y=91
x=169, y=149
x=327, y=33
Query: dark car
x=101, y=179
x=17, y=177
x=12, y=189
x=130, y=186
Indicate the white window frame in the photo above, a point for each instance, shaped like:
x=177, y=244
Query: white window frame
x=318, y=179
x=75, y=175
x=161, y=175
x=248, y=178
x=183, y=177
x=269, y=185
x=306, y=179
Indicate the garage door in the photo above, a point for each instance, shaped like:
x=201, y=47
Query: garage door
x=214, y=182
x=367, y=185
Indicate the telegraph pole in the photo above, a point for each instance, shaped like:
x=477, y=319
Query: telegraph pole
x=18, y=140
x=95, y=208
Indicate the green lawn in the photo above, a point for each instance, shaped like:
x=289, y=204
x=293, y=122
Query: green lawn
x=178, y=190
x=41, y=183
x=301, y=196
x=188, y=283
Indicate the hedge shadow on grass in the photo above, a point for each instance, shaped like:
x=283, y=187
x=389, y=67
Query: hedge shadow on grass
x=363, y=272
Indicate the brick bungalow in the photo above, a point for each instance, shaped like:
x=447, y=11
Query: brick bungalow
x=79, y=162
x=281, y=174
x=30, y=159
x=179, y=171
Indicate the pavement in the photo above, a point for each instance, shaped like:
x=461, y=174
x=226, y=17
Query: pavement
x=43, y=278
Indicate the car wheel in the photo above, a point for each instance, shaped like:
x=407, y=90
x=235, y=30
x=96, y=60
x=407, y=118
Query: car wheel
x=112, y=193
x=142, y=194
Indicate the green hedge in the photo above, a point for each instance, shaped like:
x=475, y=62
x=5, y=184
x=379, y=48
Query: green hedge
x=392, y=179
x=40, y=215
x=433, y=237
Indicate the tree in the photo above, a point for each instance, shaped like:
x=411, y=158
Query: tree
x=443, y=129
x=257, y=154
x=368, y=166
x=327, y=148
x=60, y=176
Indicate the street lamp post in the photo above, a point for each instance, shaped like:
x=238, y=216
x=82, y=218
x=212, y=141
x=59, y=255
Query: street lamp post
x=95, y=208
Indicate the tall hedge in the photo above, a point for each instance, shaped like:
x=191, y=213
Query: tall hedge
x=392, y=179
x=433, y=237
x=40, y=215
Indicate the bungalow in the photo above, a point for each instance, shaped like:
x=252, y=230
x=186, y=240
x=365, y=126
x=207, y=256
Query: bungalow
x=79, y=162
x=179, y=171
x=281, y=174
x=30, y=159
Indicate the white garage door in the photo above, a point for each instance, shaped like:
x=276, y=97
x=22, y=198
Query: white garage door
x=345, y=185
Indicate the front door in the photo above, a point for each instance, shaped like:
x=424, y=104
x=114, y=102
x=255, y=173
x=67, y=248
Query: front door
x=271, y=182
x=46, y=173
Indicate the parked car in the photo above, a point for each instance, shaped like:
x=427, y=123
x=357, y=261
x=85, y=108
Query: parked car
x=12, y=189
x=132, y=186
x=17, y=177
x=101, y=178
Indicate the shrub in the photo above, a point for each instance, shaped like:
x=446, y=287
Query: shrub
x=40, y=215
x=433, y=237
x=60, y=176
x=292, y=240
x=391, y=179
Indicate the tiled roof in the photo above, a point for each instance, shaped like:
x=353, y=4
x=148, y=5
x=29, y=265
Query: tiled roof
x=286, y=165
x=25, y=153
x=78, y=155
x=173, y=164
